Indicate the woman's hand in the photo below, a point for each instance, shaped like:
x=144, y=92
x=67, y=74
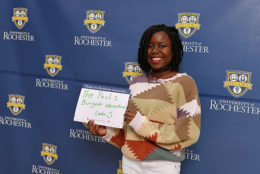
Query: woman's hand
x=95, y=129
x=129, y=116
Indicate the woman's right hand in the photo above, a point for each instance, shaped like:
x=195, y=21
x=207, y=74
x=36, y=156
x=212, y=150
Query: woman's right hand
x=95, y=129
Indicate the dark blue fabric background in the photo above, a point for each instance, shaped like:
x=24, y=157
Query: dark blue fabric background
x=229, y=141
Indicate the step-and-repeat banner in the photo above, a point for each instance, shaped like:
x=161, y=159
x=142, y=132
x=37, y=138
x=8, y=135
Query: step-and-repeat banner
x=50, y=48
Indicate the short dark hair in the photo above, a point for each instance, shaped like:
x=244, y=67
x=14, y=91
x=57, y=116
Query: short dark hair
x=177, y=48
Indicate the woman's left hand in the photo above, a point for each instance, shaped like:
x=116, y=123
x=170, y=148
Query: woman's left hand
x=129, y=116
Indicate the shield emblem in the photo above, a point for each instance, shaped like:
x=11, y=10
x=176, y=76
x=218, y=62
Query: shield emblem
x=188, y=24
x=52, y=64
x=132, y=70
x=238, y=83
x=16, y=103
x=94, y=20
x=49, y=153
x=20, y=17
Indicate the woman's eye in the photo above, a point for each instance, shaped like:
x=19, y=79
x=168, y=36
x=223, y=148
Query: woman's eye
x=162, y=46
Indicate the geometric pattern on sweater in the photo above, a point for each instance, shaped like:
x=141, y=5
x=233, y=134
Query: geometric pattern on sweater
x=197, y=121
x=140, y=149
x=167, y=115
x=189, y=87
x=189, y=109
x=183, y=125
x=153, y=93
x=169, y=118
x=140, y=99
x=148, y=151
x=119, y=138
x=173, y=95
x=182, y=128
x=148, y=106
x=139, y=88
x=160, y=153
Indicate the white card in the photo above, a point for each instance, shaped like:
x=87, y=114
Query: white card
x=104, y=104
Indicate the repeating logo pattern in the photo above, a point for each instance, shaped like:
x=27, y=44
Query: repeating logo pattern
x=49, y=153
x=238, y=82
x=52, y=64
x=16, y=103
x=132, y=69
x=188, y=24
x=94, y=20
x=20, y=17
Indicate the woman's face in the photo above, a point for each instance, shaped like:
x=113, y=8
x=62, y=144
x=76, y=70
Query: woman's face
x=159, y=51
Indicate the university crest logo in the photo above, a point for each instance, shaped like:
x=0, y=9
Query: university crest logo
x=94, y=20
x=238, y=82
x=52, y=64
x=49, y=153
x=20, y=17
x=132, y=69
x=16, y=103
x=188, y=24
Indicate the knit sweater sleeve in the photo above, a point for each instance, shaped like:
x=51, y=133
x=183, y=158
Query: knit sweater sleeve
x=115, y=136
x=185, y=129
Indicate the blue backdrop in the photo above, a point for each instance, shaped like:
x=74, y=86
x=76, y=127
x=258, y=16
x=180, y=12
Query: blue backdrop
x=50, y=48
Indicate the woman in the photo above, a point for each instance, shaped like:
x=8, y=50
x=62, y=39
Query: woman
x=163, y=114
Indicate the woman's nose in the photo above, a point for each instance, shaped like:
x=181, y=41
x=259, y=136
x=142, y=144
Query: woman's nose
x=155, y=49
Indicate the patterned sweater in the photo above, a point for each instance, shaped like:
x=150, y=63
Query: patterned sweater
x=167, y=119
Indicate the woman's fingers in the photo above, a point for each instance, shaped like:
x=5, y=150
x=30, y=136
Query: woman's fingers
x=129, y=115
x=92, y=127
x=96, y=129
